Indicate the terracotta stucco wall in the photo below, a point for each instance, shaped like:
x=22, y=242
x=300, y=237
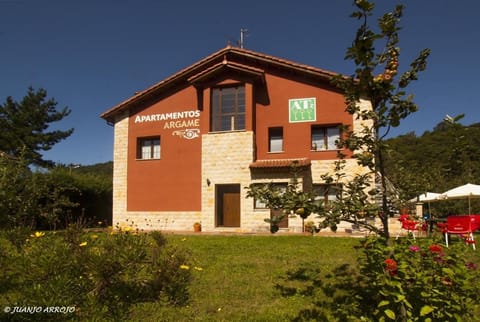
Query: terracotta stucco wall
x=173, y=181
x=330, y=111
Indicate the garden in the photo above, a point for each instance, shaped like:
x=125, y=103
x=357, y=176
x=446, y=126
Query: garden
x=54, y=269
x=120, y=275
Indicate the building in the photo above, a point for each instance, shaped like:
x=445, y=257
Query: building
x=186, y=148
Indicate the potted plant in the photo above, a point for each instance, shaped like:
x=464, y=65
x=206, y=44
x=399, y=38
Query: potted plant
x=310, y=227
x=274, y=220
x=197, y=227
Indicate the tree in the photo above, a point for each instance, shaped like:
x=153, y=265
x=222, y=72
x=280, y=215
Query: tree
x=375, y=79
x=376, y=55
x=25, y=126
x=292, y=200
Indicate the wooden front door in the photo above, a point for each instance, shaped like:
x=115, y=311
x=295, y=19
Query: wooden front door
x=228, y=205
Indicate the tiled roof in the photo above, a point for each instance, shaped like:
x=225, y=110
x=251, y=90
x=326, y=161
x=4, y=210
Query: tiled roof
x=232, y=57
x=280, y=163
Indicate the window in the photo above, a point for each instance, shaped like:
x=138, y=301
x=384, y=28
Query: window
x=148, y=148
x=275, y=139
x=325, y=138
x=228, y=108
x=326, y=193
x=269, y=189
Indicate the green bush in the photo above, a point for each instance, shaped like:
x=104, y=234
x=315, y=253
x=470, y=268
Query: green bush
x=101, y=275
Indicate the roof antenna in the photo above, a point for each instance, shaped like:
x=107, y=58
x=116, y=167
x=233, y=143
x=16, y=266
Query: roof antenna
x=243, y=34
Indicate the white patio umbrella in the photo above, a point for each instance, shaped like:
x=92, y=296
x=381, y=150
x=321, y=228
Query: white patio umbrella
x=426, y=197
x=467, y=191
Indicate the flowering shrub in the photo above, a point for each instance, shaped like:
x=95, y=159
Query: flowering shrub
x=398, y=280
x=100, y=275
x=417, y=280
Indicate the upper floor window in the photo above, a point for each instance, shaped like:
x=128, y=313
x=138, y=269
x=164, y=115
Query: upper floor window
x=275, y=139
x=148, y=148
x=228, y=108
x=325, y=138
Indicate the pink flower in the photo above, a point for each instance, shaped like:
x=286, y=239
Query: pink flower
x=414, y=248
x=439, y=258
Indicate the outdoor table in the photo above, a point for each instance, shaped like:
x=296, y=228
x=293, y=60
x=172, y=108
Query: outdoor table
x=434, y=221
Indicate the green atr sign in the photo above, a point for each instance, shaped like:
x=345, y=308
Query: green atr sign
x=302, y=110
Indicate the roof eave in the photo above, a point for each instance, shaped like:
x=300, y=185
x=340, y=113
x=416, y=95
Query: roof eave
x=186, y=73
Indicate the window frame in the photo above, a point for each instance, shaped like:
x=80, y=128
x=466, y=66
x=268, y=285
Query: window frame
x=326, y=137
x=220, y=111
x=258, y=205
x=152, y=147
x=337, y=188
x=273, y=131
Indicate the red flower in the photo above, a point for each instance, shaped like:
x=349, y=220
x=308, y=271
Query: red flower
x=391, y=266
x=471, y=265
x=390, y=262
x=435, y=248
x=468, y=240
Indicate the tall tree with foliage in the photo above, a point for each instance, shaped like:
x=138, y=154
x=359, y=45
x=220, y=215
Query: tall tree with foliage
x=25, y=126
x=376, y=78
x=26, y=196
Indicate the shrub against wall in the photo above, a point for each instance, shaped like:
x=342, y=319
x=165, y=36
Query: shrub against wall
x=52, y=199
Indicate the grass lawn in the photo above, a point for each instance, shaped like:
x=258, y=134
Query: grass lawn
x=234, y=277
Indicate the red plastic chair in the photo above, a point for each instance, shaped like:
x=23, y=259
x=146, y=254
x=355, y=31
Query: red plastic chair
x=464, y=226
x=410, y=226
x=403, y=217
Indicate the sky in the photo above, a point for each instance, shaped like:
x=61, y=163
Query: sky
x=90, y=55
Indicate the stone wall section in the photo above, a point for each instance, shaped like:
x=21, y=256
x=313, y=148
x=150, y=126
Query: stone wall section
x=120, y=164
x=157, y=220
x=226, y=158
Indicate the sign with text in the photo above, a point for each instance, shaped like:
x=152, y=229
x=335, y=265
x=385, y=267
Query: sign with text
x=185, y=123
x=302, y=110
